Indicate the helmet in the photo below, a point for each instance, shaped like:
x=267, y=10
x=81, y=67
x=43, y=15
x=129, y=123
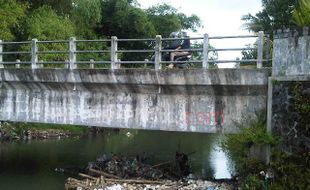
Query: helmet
x=174, y=34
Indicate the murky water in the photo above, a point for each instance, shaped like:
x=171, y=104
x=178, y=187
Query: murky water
x=31, y=165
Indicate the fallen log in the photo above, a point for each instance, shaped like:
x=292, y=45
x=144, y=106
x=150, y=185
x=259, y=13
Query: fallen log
x=161, y=164
x=137, y=181
x=87, y=176
x=104, y=174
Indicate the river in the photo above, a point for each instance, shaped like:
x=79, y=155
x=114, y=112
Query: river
x=31, y=165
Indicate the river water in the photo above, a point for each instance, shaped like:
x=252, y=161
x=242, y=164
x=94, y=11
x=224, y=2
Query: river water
x=31, y=165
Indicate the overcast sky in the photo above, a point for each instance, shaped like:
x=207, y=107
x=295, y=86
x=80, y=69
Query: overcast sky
x=218, y=18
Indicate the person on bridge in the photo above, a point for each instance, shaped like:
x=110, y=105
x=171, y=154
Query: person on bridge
x=178, y=44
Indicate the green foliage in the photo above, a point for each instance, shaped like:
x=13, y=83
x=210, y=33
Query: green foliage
x=87, y=19
x=44, y=24
x=276, y=14
x=291, y=169
x=10, y=14
x=252, y=54
x=61, y=7
x=167, y=19
x=302, y=106
x=252, y=182
x=199, y=56
x=253, y=131
x=301, y=14
x=17, y=131
x=121, y=19
x=86, y=14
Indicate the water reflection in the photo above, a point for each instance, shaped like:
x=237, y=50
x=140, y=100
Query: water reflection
x=31, y=165
x=220, y=163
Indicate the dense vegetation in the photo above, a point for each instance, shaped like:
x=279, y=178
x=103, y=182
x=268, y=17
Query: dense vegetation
x=27, y=19
x=289, y=166
x=23, y=20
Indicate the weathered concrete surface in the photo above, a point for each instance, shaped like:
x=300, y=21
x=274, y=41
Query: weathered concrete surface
x=285, y=118
x=178, y=100
x=291, y=53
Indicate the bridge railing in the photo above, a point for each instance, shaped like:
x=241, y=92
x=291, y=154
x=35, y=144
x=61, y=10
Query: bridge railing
x=68, y=52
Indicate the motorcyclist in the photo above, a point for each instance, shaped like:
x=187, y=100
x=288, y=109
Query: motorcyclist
x=178, y=44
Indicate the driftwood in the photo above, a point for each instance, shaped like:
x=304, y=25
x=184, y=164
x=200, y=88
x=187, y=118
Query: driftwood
x=104, y=174
x=161, y=164
x=87, y=176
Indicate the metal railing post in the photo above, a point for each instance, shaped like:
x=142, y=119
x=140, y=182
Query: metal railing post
x=268, y=50
x=1, y=58
x=17, y=65
x=66, y=64
x=72, y=54
x=92, y=66
x=158, y=48
x=205, y=63
x=114, y=52
x=41, y=65
x=34, y=53
x=260, y=46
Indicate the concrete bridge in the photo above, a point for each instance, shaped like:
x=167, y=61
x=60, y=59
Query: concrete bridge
x=192, y=100
x=178, y=100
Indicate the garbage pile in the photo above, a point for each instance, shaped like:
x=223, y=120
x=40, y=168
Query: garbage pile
x=125, y=167
x=117, y=172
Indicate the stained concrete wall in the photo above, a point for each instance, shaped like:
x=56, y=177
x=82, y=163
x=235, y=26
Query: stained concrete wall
x=175, y=100
x=286, y=118
x=291, y=52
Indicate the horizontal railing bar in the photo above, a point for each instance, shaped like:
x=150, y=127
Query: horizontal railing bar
x=52, y=52
x=52, y=62
x=181, y=50
x=93, y=51
x=103, y=40
x=135, y=51
x=232, y=61
x=56, y=41
x=15, y=52
x=23, y=42
x=130, y=40
x=190, y=61
x=135, y=62
x=232, y=49
x=92, y=62
x=15, y=62
x=194, y=38
x=227, y=37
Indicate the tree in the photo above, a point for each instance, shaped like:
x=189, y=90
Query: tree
x=10, y=14
x=212, y=55
x=276, y=14
x=86, y=14
x=61, y=7
x=252, y=54
x=44, y=24
x=167, y=19
x=301, y=14
x=121, y=19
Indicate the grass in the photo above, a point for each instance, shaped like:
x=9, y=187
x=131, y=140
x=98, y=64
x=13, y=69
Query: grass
x=69, y=128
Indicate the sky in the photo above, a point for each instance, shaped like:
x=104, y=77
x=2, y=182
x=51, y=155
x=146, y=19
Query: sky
x=219, y=18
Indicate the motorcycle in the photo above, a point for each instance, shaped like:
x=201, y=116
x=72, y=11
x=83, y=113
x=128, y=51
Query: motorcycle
x=182, y=59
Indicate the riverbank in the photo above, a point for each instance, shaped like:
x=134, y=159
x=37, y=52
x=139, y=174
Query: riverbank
x=34, y=131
